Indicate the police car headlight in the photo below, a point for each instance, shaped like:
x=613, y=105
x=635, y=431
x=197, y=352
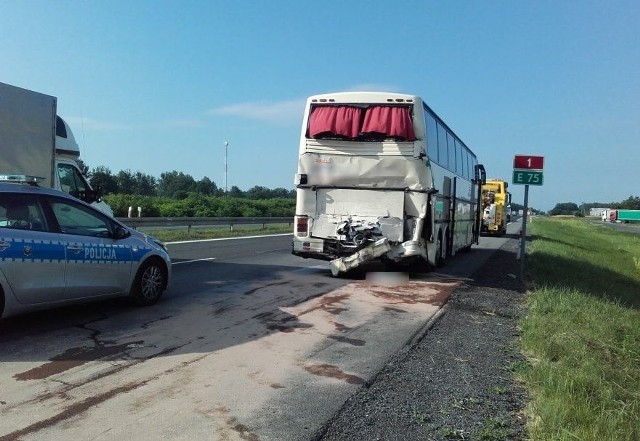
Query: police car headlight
x=157, y=242
x=161, y=245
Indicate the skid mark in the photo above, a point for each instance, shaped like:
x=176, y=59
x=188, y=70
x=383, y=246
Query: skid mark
x=147, y=324
x=258, y=288
x=221, y=309
x=391, y=309
x=283, y=327
x=341, y=327
x=113, y=371
x=71, y=411
x=72, y=358
x=264, y=315
x=80, y=407
x=351, y=341
x=335, y=310
x=331, y=371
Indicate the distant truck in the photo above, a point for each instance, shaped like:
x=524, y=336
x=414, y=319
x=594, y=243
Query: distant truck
x=35, y=141
x=496, y=209
x=624, y=216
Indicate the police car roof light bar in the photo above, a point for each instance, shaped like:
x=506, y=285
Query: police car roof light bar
x=22, y=179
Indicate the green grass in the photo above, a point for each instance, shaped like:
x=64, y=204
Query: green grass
x=183, y=233
x=582, y=332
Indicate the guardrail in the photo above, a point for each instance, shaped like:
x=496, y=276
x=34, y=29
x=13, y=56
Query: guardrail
x=137, y=222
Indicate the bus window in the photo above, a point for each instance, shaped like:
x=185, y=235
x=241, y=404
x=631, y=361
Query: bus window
x=443, y=157
x=459, y=168
x=432, y=137
x=451, y=147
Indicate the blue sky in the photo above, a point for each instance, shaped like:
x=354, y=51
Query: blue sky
x=156, y=86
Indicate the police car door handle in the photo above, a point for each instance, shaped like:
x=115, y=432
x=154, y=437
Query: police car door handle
x=75, y=249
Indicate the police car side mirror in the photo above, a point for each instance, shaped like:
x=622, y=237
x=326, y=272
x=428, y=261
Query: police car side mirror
x=121, y=233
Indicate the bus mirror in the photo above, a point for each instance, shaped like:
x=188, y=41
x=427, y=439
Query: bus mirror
x=301, y=179
x=481, y=174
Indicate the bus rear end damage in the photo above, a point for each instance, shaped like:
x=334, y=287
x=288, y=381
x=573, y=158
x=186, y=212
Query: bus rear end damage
x=351, y=227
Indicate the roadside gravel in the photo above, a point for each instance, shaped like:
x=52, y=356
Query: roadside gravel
x=456, y=381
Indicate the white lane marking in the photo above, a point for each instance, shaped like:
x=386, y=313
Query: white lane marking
x=228, y=238
x=193, y=261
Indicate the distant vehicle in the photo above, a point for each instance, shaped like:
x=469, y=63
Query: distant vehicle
x=35, y=141
x=381, y=176
x=57, y=250
x=624, y=216
x=496, y=211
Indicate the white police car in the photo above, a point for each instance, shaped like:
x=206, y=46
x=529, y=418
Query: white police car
x=56, y=250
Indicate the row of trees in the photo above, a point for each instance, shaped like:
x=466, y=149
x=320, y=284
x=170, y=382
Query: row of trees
x=199, y=205
x=573, y=209
x=174, y=185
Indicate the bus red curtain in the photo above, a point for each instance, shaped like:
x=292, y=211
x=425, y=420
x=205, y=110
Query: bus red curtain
x=390, y=121
x=335, y=120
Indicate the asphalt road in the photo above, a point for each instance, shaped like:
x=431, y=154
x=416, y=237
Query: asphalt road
x=249, y=342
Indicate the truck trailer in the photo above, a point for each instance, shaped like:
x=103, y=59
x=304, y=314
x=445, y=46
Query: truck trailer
x=624, y=216
x=36, y=142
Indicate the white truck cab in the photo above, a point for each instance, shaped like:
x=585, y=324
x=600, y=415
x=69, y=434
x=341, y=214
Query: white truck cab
x=68, y=176
x=35, y=141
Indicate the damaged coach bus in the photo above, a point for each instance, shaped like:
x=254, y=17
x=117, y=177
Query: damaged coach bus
x=380, y=175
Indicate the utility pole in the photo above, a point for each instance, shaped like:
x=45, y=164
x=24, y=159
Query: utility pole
x=226, y=147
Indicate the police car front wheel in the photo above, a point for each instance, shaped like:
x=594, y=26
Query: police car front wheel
x=149, y=283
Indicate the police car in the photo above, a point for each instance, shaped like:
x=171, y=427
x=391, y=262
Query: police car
x=56, y=250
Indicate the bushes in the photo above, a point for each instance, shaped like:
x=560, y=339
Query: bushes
x=199, y=205
x=120, y=204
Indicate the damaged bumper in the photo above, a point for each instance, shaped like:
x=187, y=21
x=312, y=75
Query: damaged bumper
x=367, y=254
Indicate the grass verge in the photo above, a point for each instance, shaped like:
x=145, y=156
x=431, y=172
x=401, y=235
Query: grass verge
x=582, y=332
x=183, y=233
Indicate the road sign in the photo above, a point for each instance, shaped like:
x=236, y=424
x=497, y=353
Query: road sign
x=528, y=162
x=527, y=177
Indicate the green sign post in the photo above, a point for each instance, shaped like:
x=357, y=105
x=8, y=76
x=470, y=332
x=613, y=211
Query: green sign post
x=527, y=170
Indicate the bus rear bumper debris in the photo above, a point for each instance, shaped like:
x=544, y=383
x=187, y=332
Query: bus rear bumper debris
x=373, y=251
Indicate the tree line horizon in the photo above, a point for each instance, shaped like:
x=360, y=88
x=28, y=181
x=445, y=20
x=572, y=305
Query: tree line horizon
x=128, y=188
x=573, y=209
x=171, y=184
